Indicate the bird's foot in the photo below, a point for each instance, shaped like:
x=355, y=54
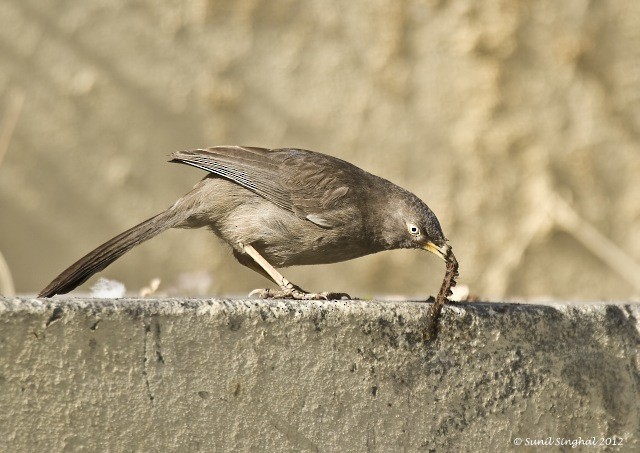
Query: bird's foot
x=296, y=294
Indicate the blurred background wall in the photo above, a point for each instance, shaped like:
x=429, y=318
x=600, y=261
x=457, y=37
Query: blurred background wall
x=517, y=122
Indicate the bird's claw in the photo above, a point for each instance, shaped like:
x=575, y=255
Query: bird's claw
x=296, y=294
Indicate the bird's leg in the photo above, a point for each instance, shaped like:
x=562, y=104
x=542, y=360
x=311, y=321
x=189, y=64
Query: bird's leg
x=287, y=289
x=271, y=271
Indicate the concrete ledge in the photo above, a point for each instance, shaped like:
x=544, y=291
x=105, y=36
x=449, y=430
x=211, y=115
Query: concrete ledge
x=246, y=375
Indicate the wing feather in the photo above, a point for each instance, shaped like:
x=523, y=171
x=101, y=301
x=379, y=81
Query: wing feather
x=312, y=185
x=250, y=167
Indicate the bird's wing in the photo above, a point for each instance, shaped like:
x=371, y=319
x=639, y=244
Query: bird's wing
x=309, y=184
x=320, y=186
x=253, y=168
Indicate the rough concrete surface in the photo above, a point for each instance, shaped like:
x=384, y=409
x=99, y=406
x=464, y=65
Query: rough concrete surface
x=246, y=375
x=489, y=111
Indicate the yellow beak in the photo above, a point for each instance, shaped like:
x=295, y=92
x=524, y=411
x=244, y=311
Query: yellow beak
x=438, y=251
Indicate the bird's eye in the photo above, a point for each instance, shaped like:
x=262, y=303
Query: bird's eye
x=414, y=230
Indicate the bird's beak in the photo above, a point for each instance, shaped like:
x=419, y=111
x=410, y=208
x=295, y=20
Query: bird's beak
x=439, y=251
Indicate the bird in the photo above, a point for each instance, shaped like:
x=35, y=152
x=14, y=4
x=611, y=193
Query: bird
x=277, y=208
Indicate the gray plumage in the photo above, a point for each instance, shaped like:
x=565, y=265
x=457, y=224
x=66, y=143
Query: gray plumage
x=292, y=206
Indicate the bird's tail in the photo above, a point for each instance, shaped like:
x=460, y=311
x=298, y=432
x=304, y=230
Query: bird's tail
x=110, y=251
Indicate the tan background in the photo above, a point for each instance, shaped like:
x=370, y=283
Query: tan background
x=517, y=122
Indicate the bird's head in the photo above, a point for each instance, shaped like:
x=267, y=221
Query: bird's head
x=414, y=226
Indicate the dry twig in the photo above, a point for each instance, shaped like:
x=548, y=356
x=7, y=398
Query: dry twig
x=8, y=126
x=445, y=291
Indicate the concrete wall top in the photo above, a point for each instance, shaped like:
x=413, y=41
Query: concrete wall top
x=252, y=375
